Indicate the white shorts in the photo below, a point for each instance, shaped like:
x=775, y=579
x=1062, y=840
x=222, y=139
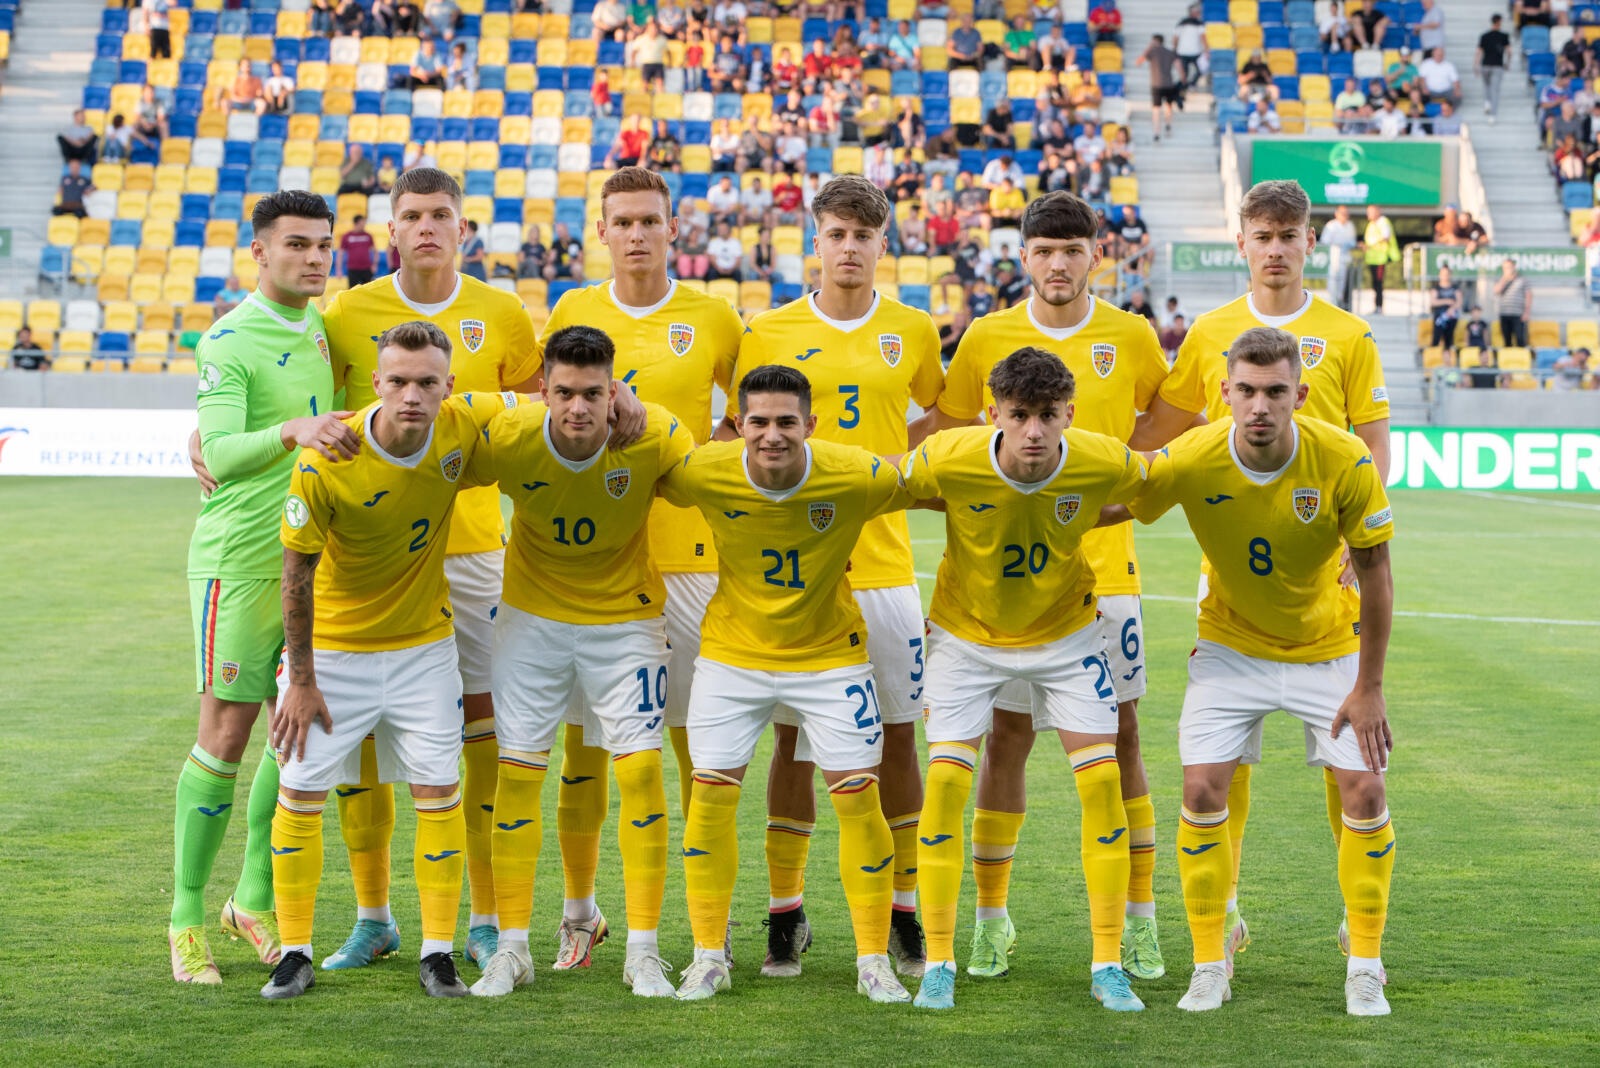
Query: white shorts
x=615, y=672
x=475, y=582
x=688, y=593
x=1230, y=694
x=409, y=700
x=1069, y=678
x=1122, y=619
x=836, y=711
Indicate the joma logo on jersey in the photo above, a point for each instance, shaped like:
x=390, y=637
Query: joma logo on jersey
x=1104, y=358
x=617, y=480
x=472, y=336
x=680, y=338
x=890, y=348
x=450, y=466
x=1067, y=506
x=821, y=515
x=322, y=347
x=1312, y=350
x=1306, y=502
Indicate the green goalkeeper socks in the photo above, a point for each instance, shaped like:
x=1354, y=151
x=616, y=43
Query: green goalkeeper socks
x=205, y=803
x=254, y=894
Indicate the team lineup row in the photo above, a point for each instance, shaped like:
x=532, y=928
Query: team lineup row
x=724, y=605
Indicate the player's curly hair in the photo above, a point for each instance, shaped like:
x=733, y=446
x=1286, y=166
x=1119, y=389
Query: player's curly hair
x=775, y=378
x=850, y=196
x=414, y=336
x=424, y=181
x=635, y=180
x=1059, y=216
x=1032, y=377
x=294, y=203
x=580, y=346
x=1265, y=346
x=1279, y=200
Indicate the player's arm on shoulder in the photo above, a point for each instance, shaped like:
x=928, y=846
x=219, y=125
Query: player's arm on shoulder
x=1162, y=423
x=1179, y=403
x=1156, y=493
x=961, y=402
x=752, y=354
x=920, y=479
x=679, y=483
x=885, y=489
x=627, y=417
x=301, y=702
x=524, y=356
x=675, y=445
x=1376, y=436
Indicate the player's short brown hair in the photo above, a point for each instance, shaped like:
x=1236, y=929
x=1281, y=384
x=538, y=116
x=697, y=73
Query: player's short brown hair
x=580, y=346
x=1059, y=216
x=414, y=336
x=850, y=196
x=424, y=181
x=292, y=203
x=1280, y=200
x=1265, y=346
x=1031, y=377
x=775, y=378
x=635, y=180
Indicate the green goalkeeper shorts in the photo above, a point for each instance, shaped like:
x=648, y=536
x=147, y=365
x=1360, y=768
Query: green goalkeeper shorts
x=238, y=626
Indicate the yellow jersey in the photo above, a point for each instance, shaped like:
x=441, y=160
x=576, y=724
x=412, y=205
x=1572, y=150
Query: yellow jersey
x=783, y=600
x=380, y=522
x=1273, y=539
x=492, y=349
x=1117, y=365
x=863, y=375
x=1338, y=360
x=1014, y=572
x=579, y=550
x=672, y=355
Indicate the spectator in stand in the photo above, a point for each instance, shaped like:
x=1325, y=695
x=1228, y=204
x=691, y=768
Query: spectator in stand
x=1054, y=50
x=1430, y=27
x=79, y=141
x=1483, y=375
x=1118, y=159
x=1591, y=235
x=725, y=254
x=388, y=174
x=1569, y=369
x=998, y=170
x=908, y=180
x=1369, y=25
x=754, y=202
x=1470, y=233
x=786, y=200
x=1351, y=108
x=1105, y=24
x=1171, y=336
x=972, y=202
x=1339, y=235
x=26, y=355
x=724, y=147
x=1189, y=44
x=1005, y=204
x=357, y=175
x=1444, y=229
x=791, y=148
x=566, y=254
x=1515, y=303
x=427, y=66
x=723, y=200
x=473, y=253
x=648, y=53
x=1390, y=121
x=244, y=93
x=349, y=18
x=1400, y=74
x=1447, y=123
x=874, y=45
x=1165, y=90
x=1478, y=336
x=997, y=126
x=692, y=259
x=119, y=141
x=75, y=185
x=730, y=15
x=818, y=66
x=914, y=232
x=159, y=24
x=443, y=18
x=610, y=19
x=1094, y=181
x=1381, y=249
x=407, y=20
x=1565, y=123
x=1055, y=174
x=1567, y=161
x=358, y=248
x=1444, y=305
x=1551, y=97
x=672, y=19
x=1171, y=310
x=631, y=143
x=1440, y=80
x=980, y=301
x=1489, y=63
x=1089, y=145
x=1533, y=13
x=878, y=166
x=462, y=72
x=824, y=122
x=908, y=131
x=600, y=94
x=944, y=229
x=381, y=16
x=1336, y=31
x=1255, y=78
x=728, y=69
x=1264, y=120
x=277, y=92
x=761, y=263
x=321, y=18
x=755, y=146
x=230, y=296
x=425, y=155
x=905, y=53
x=1011, y=288
x=965, y=47
x=1139, y=304
x=1020, y=46
x=1133, y=245
x=694, y=62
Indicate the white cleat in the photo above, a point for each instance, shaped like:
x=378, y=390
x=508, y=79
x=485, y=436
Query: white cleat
x=510, y=967
x=1363, y=994
x=1344, y=947
x=702, y=979
x=578, y=940
x=876, y=979
x=1208, y=989
x=646, y=973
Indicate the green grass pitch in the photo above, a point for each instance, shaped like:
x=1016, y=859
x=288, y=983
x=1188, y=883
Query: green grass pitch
x=1492, y=944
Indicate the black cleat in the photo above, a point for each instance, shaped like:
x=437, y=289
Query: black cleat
x=438, y=977
x=788, y=936
x=905, y=943
x=293, y=976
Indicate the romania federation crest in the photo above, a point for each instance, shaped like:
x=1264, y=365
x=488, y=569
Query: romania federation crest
x=1306, y=502
x=680, y=338
x=472, y=336
x=230, y=672
x=451, y=465
x=1067, y=506
x=889, y=347
x=821, y=515
x=322, y=347
x=1312, y=350
x=1104, y=358
x=617, y=480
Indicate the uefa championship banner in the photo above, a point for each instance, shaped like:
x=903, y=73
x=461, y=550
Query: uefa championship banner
x=1349, y=171
x=1554, y=262
x=140, y=442
x=1222, y=257
x=1494, y=459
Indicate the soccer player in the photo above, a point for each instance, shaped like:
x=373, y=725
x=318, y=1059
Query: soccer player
x=867, y=358
x=370, y=644
x=1015, y=602
x=783, y=630
x=1117, y=367
x=1345, y=387
x=581, y=619
x=1272, y=497
x=673, y=345
x=265, y=392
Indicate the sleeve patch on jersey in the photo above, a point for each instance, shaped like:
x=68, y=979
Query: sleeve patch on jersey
x=295, y=512
x=509, y=398
x=210, y=377
x=1380, y=394
x=322, y=347
x=1378, y=519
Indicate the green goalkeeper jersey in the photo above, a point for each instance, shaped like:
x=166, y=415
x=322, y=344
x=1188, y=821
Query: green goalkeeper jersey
x=261, y=365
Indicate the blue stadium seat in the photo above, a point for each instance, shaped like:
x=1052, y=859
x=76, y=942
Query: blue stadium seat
x=991, y=86
x=526, y=50
x=197, y=49
x=1310, y=61
x=261, y=180
x=268, y=153
x=497, y=7
x=513, y=156
x=936, y=112
x=1288, y=87
x=728, y=106
x=206, y=289
x=819, y=160
x=1111, y=84
x=308, y=101
x=785, y=292
x=203, y=23
x=315, y=50
x=577, y=78
x=905, y=83
x=393, y=150
x=1577, y=196
x=597, y=155
x=492, y=77
x=914, y=296
x=1076, y=34
x=610, y=54
x=108, y=46
x=1275, y=37
x=508, y=209
x=105, y=71
x=237, y=153
x=1541, y=64
x=696, y=185
x=260, y=23
x=191, y=75
x=454, y=129
x=195, y=207
x=1270, y=13
x=697, y=133
x=96, y=97
x=549, y=77
x=112, y=341
x=145, y=153
x=674, y=182
x=972, y=160
x=518, y=103
x=424, y=130
x=126, y=231
x=1023, y=109
x=479, y=184
x=582, y=26
x=399, y=74
x=1545, y=359
x=368, y=103
x=179, y=125
x=560, y=288
x=1304, y=38
x=540, y=157
x=485, y=129
x=228, y=206
x=606, y=129
x=814, y=30
x=877, y=9
x=1224, y=86
x=114, y=20
x=232, y=179
x=1029, y=159
x=286, y=49
x=1214, y=10
x=1341, y=65
x=1301, y=12
x=189, y=233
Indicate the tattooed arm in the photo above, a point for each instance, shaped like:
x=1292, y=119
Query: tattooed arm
x=301, y=702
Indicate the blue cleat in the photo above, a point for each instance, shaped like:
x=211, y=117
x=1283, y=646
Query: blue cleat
x=482, y=941
x=1109, y=986
x=370, y=940
x=938, y=990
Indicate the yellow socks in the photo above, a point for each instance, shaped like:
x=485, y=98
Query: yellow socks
x=939, y=852
x=866, y=851
x=296, y=868
x=581, y=805
x=903, y=829
x=680, y=750
x=994, y=842
x=788, y=845
x=481, y=759
x=1366, y=864
x=1330, y=789
x=1238, y=816
x=711, y=857
x=517, y=837
x=438, y=860
x=1203, y=858
x=1104, y=839
x=1141, y=855
x=642, y=835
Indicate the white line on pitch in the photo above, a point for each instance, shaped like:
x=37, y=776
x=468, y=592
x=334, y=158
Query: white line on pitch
x=1436, y=615
x=1581, y=506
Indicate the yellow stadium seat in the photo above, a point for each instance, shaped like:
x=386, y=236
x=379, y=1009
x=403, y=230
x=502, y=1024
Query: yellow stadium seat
x=488, y=103
x=966, y=110
x=328, y=154
x=521, y=78
x=196, y=317
x=533, y=291
x=62, y=230
x=755, y=296
x=786, y=30
x=552, y=52
x=169, y=178
x=337, y=102
x=493, y=27
x=1544, y=334
x=1583, y=334
x=1107, y=58
x=147, y=365
x=1577, y=221
x=1124, y=189
x=934, y=57
x=44, y=315
x=164, y=205
x=1281, y=61
x=75, y=342
x=1315, y=87
x=11, y=317
x=483, y=155
x=572, y=184
x=113, y=366
x=525, y=26
x=349, y=205
x=94, y=232
x=175, y=151
x=582, y=54
x=1022, y=84
x=312, y=74
x=458, y=104
x=302, y=128
x=480, y=209
x=258, y=49
x=1247, y=39
x=725, y=288
x=201, y=180
x=138, y=177
x=363, y=128
x=135, y=46
x=1319, y=114
x=340, y=76
x=548, y=104
x=325, y=180
x=88, y=262
x=1219, y=35
x=1516, y=359
x=111, y=286
x=179, y=288
x=152, y=341
x=107, y=176
x=452, y=156
x=159, y=316
x=516, y=130
x=510, y=182
x=70, y=365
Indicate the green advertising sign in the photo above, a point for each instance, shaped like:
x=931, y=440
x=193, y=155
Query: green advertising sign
x=1222, y=257
x=1554, y=262
x=1452, y=458
x=5, y=242
x=1404, y=173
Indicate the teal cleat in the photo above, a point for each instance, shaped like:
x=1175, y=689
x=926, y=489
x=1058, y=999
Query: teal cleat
x=482, y=941
x=992, y=943
x=370, y=940
x=1141, y=953
x=938, y=990
x=1109, y=986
